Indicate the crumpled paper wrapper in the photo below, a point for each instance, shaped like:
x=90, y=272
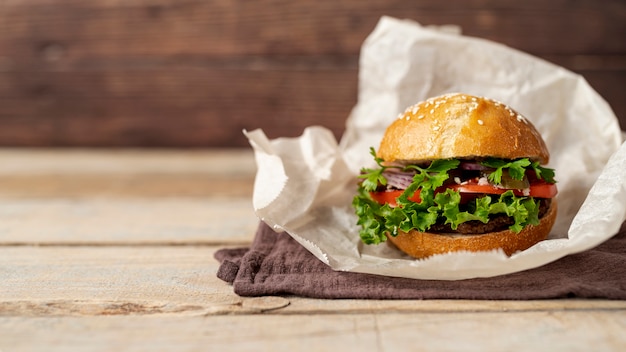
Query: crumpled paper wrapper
x=304, y=186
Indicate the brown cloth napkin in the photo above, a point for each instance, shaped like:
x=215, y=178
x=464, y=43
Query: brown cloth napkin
x=276, y=264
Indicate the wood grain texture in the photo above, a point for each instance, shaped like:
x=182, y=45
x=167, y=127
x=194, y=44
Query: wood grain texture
x=153, y=298
x=127, y=221
x=548, y=331
x=126, y=197
x=146, y=173
x=187, y=107
x=92, y=259
x=195, y=73
x=160, y=280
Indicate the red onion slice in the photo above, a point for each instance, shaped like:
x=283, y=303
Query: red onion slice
x=470, y=165
x=398, y=179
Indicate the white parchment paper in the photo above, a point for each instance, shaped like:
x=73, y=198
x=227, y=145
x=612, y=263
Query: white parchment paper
x=304, y=186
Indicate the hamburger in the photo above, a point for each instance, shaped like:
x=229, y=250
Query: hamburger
x=458, y=173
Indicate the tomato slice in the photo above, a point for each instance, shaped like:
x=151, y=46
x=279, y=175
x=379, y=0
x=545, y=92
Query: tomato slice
x=469, y=191
x=537, y=189
x=543, y=190
x=389, y=197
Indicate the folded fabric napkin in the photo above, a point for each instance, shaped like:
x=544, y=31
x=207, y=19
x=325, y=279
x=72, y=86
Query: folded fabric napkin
x=276, y=264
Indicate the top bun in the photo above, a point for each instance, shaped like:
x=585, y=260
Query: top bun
x=464, y=127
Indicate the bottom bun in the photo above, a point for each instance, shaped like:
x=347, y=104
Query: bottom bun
x=424, y=244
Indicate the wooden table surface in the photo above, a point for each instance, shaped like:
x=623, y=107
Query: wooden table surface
x=105, y=250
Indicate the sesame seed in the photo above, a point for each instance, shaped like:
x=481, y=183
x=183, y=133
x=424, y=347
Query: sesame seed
x=436, y=128
x=419, y=117
x=432, y=110
x=408, y=117
x=473, y=99
x=480, y=122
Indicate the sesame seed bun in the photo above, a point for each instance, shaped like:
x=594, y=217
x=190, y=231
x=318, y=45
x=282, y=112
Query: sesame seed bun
x=424, y=244
x=464, y=127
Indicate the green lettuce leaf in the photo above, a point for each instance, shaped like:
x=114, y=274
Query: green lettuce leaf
x=377, y=220
x=373, y=177
x=544, y=173
x=517, y=169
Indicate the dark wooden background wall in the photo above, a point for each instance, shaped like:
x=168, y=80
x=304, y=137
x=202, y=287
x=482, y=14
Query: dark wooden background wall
x=194, y=73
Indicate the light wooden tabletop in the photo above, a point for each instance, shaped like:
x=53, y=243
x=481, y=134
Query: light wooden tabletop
x=105, y=250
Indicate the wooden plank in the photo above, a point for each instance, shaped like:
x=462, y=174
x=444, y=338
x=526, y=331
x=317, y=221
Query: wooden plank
x=156, y=275
x=98, y=298
x=180, y=280
x=48, y=162
x=187, y=107
x=43, y=28
x=76, y=173
x=126, y=197
x=375, y=331
x=196, y=73
x=230, y=304
x=173, y=221
x=206, y=107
